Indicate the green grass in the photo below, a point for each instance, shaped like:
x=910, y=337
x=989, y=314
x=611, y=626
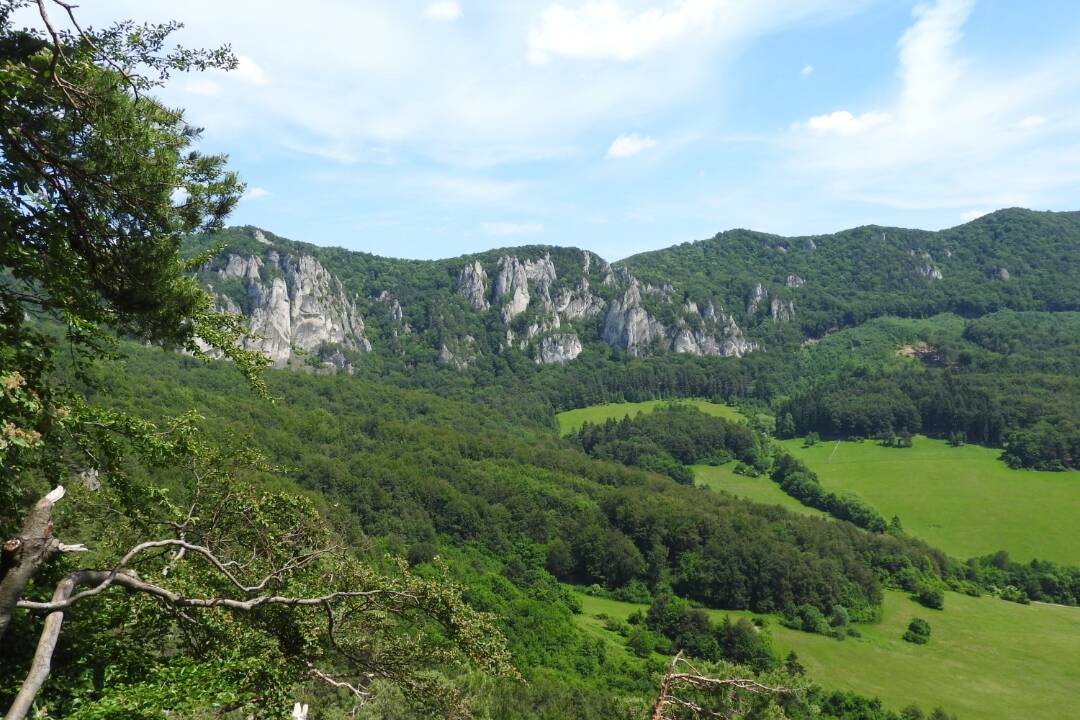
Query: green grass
x=760, y=489
x=963, y=500
x=571, y=420
x=987, y=658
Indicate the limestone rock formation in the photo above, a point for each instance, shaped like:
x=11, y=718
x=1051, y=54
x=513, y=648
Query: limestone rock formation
x=794, y=281
x=756, y=297
x=559, y=348
x=578, y=304
x=293, y=303
x=782, y=310
x=629, y=326
x=463, y=354
x=513, y=280
x=472, y=284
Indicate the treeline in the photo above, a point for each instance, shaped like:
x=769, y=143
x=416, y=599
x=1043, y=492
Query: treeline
x=1037, y=580
x=801, y=483
x=1008, y=380
x=669, y=439
x=413, y=468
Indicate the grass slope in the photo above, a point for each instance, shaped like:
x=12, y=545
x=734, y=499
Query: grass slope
x=986, y=659
x=760, y=489
x=963, y=500
x=571, y=420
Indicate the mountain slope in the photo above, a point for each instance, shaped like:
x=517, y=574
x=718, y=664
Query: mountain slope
x=726, y=296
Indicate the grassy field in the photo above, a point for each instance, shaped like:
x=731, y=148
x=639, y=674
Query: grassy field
x=986, y=659
x=759, y=489
x=573, y=419
x=963, y=500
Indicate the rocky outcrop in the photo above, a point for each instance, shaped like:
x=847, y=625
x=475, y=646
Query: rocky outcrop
x=927, y=268
x=629, y=326
x=1003, y=274
x=579, y=303
x=512, y=280
x=559, y=348
x=461, y=356
x=541, y=272
x=794, y=281
x=755, y=298
x=293, y=304
x=782, y=310
x=472, y=285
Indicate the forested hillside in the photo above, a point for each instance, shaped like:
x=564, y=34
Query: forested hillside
x=241, y=474
x=634, y=330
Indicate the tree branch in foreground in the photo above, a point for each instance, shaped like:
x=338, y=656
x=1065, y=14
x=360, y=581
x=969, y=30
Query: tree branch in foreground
x=732, y=691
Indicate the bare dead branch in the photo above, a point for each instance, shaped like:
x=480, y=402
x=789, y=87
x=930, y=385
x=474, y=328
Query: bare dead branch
x=42, y=662
x=695, y=680
x=27, y=552
x=130, y=581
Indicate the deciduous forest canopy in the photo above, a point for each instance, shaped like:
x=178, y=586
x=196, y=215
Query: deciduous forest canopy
x=240, y=473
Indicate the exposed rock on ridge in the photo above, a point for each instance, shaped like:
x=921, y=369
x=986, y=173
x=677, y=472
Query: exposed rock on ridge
x=631, y=327
x=293, y=303
x=472, y=284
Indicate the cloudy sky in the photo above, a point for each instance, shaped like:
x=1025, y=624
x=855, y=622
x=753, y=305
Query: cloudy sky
x=419, y=128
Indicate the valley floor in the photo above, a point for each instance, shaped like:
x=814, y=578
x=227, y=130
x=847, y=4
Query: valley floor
x=964, y=500
x=987, y=659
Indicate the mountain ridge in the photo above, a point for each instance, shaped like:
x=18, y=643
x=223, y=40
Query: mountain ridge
x=735, y=293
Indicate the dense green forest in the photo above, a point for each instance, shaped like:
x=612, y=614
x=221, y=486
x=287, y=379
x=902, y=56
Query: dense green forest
x=987, y=310
x=513, y=510
x=241, y=472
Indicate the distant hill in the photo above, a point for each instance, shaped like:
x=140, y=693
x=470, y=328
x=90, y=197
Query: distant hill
x=735, y=293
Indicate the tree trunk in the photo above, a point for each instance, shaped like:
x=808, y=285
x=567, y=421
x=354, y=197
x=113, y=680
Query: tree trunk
x=42, y=663
x=25, y=553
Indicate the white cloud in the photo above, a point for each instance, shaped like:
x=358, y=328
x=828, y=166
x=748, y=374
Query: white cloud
x=604, y=29
x=473, y=190
x=974, y=214
x=256, y=193
x=607, y=30
x=511, y=228
x=443, y=10
x=249, y=71
x=629, y=145
x=844, y=123
x=948, y=139
x=1032, y=121
x=807, y=70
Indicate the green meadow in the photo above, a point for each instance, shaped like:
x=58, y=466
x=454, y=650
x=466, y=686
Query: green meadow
x=986, y=658
x=571, y=420
x=964, y=500
x=760, y=489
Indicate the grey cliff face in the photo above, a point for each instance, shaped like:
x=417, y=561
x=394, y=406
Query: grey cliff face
x=756, y=297
x=559, y=348
x=578, y=304
x=512, y=280
x=472, y=284
x=794, y=281
x=295, y=303
x=782, y=310
x=629, y=326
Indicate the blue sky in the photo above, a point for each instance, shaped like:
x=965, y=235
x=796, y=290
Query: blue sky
x=434, y=128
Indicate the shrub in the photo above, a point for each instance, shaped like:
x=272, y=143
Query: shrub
x=930, y=597
x=420, y=553
x=918, y=631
